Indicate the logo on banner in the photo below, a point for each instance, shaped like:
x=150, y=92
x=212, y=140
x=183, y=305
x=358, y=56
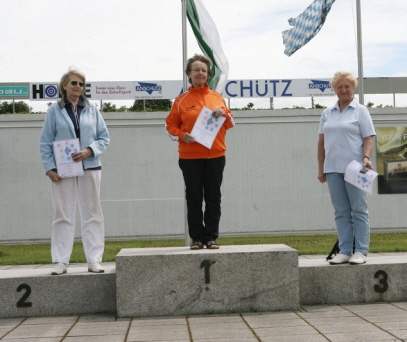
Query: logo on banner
x=44, y=91
x=50, y=91
x=13, y=91
x=149, y=87
x=321, y=85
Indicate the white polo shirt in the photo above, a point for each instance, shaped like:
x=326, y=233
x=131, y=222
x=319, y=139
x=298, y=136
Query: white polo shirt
x=343, y=135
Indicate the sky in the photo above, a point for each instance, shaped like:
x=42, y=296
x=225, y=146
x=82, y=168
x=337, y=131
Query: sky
x=133, y=40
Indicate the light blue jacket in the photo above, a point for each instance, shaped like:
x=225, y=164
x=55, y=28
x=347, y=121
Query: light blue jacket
x=58, y=126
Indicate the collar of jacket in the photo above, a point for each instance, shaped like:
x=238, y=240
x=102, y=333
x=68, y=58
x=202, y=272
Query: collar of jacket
x=62, y=103
x=204, y=89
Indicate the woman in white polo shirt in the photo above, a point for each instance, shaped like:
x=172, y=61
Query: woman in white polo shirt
x=346, y=133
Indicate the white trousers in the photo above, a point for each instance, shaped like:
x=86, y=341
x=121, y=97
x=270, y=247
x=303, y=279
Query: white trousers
x=66, y=195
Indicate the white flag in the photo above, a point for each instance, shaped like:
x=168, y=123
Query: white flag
x=208, y=39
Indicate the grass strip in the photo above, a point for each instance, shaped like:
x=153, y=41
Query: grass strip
x=29, y=254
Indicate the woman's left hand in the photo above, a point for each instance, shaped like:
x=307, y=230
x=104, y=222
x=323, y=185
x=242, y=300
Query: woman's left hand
x=367, y=164
x=81, y=155
x=218, y=112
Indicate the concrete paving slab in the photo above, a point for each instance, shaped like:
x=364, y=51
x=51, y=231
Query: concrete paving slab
x=231, y=339
x=39, y=331
x=218, y=326
x=215, y=319
x=159, y=328
x=173, y=336
x=268, y=322
x=345, y=328
x=363, y=336
x=211, y=335
x=5, y=322
x=99, y=329
x=297, y=338
x=286, y=331
x=168, y=321
x=387, y=317
x=36, y=339
x=335, y=320
x=109, y=338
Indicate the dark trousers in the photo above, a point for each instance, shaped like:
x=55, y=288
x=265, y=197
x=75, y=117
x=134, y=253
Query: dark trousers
x=203, y=178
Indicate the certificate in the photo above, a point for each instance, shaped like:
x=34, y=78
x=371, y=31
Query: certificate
x=207, y=127
x=360, y=177
x=63, y=150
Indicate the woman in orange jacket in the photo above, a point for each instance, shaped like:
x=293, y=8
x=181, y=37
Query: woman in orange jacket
x=201, y=167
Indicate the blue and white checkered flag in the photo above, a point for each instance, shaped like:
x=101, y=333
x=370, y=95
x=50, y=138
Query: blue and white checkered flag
x=306, y=25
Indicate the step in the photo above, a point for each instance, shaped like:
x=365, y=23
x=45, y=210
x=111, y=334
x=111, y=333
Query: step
x=33, y=291
x=178, y=281
x=383, y=278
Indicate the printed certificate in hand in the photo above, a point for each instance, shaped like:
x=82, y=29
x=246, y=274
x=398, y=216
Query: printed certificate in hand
x=207, y=127
x=63, y=150
x=360, y=177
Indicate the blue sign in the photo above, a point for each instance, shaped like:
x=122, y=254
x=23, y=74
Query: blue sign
x=13, y=91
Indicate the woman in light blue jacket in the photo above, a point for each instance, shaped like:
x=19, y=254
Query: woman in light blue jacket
x=74, y=117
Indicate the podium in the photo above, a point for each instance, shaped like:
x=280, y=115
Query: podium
x=178, y=281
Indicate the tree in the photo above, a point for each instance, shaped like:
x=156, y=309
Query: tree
x=151, y=106
x=249, y=106
x=20, y=107
x=108, y=107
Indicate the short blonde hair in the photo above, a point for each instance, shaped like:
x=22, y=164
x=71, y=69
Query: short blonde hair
x=65, y=79
x=340, y=75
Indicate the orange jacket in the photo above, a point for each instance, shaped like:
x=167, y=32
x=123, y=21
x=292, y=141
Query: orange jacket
x=183, y=115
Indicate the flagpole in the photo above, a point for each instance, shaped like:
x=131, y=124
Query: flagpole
x=184, y=44
x=184, y=87
x=360, y=55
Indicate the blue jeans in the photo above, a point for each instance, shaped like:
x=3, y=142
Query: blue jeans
x=351, y=214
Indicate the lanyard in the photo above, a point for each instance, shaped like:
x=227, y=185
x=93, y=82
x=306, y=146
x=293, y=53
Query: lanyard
x=74, y=109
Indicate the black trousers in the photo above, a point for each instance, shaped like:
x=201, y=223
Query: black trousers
x=203, y=179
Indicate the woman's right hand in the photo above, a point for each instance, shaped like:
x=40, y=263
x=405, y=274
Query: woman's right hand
x=188, y=138
x=55, y=177
x=322, y=177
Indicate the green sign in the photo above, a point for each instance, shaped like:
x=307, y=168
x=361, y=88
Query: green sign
x=13, y=91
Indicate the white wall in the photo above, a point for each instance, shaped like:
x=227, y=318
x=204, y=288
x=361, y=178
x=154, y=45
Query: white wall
x=270, y=182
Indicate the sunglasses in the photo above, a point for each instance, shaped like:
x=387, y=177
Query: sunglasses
x=75, y=83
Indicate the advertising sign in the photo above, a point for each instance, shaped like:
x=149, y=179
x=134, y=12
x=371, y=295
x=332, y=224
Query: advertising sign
x=44, y=91
x=111, y=90
x=145, y=90
x=148, y=90
x=278, y=88
x=12, y=91
x=391, y=143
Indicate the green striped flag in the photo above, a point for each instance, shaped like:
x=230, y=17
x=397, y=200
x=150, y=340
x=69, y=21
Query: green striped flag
x=208, y=39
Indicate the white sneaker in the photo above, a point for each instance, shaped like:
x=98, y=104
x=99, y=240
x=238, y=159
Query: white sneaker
x=339, y=259
x=59, y=268
x=95, y=267
x=357, y=258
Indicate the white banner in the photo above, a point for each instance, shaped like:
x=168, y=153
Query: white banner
x=151, y=90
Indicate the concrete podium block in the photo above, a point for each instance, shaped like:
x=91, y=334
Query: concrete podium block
x=26, y=292
x=178, y=281
x=382, y=278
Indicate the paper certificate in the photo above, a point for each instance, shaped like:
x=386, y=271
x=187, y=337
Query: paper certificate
x=207, y=127
x=358, y=176
x=63, y=150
